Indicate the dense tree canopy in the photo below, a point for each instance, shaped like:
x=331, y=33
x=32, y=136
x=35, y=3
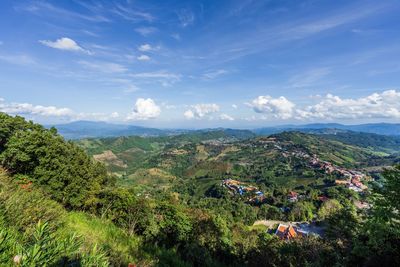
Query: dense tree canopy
x=45, y=158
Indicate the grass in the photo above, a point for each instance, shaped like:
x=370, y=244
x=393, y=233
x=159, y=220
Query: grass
x=105, y=234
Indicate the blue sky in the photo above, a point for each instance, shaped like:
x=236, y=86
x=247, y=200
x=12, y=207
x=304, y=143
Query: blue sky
x=201, y=63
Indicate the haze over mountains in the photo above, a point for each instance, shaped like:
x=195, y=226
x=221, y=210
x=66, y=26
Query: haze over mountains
x=90, y=129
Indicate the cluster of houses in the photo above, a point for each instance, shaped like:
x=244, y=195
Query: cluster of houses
x=353, y=184
x=253, y=194
x=351, y=179
x=293, y=196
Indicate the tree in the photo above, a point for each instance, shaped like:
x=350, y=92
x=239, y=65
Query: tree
x=302, y=211
x=379, y=240
x=328, y=208
x=59, y=167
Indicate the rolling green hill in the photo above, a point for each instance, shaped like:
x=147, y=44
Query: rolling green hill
x=205, y=158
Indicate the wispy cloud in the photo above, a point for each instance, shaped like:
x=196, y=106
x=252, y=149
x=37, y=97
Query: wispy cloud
x=106, y=67
x=42, y=8
x=164, y=77
x=132, y=14
x=186, y=17
x=259, y=39
x=17, y=59
x=309, y=77
x=214, y=74
x=145, y=31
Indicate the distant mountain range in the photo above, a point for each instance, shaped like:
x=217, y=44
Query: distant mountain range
x=376, y=128
x=90, y=129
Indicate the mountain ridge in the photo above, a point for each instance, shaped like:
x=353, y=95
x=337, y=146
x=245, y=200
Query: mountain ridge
x=92, y=129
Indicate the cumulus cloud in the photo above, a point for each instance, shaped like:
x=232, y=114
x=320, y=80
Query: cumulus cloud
x=376, y=105
x=188, y=114
x=383, y=105
x=143, y=58
x=144, y=109
x=280, y=108
x=201, y=110
x=30, y=109
x=36, y=111
x=64, y=44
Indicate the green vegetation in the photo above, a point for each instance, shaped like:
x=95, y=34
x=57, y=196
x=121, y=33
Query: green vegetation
x=159, y=201
x=376, y=142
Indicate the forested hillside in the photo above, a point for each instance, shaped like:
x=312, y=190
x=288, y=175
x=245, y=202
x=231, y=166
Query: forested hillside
x=172, y=201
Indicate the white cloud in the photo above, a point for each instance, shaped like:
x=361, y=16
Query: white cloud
x=234, y=106
x=145, y=48
x=214, y=74
x=64, y=44
x=107, y=67
x=131, y=14
x=384, y=105
x=145, y=31
x=143, y=58
x=37, y=111
x=226, y=117
x=144, y=109
x=279, y=108
x=29, y=109
x=188, y=114
x=376, y=105
x=201, y=110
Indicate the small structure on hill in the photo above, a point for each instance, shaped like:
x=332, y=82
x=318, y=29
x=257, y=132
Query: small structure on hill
x=288, y=232
x=293, y=196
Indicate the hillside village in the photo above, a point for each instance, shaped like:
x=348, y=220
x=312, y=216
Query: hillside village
x=350, y=178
